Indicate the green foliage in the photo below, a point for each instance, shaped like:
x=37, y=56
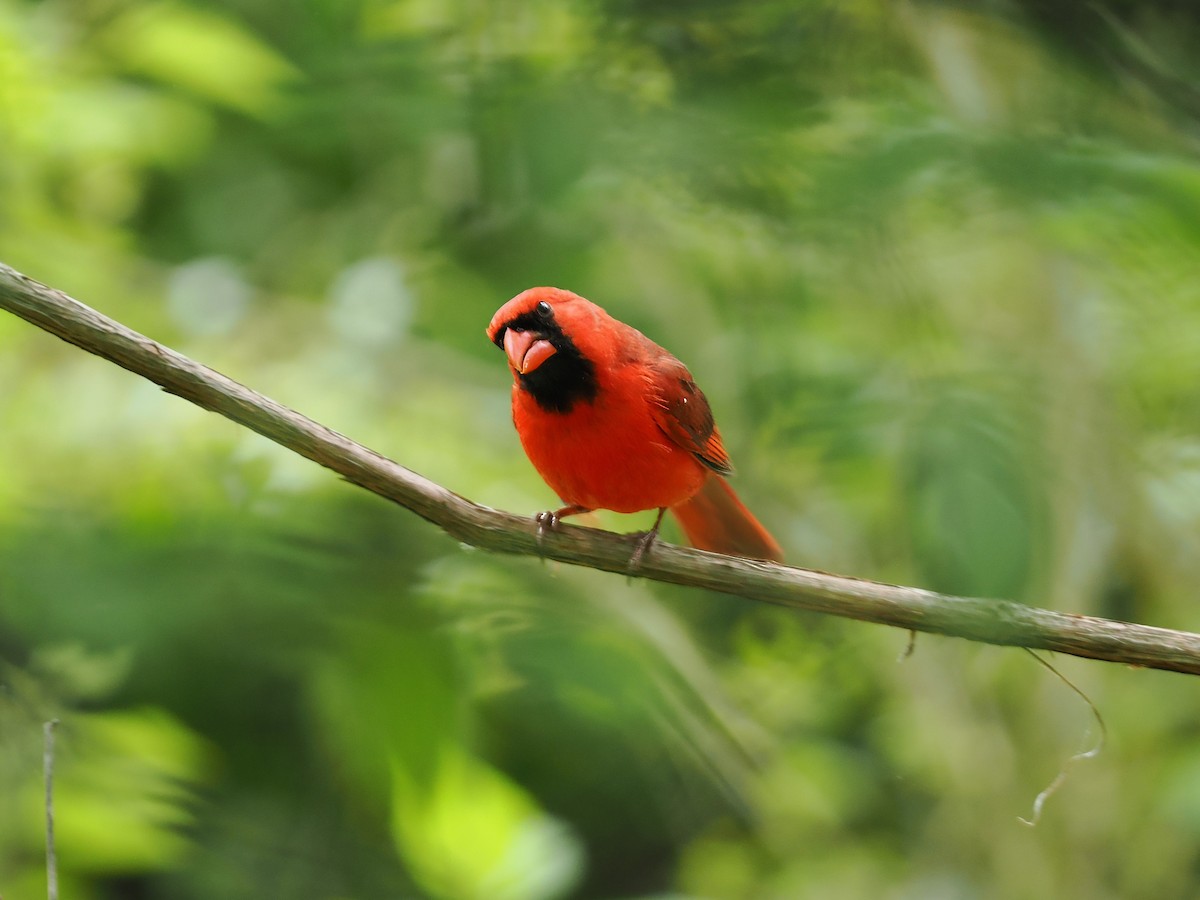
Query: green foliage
x=935, y=265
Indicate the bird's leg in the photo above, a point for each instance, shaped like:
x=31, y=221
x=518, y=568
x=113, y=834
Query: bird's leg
x=644, y=543
x=548, y=520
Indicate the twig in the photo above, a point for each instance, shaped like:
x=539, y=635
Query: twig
x=48, y=773
x=991, y=621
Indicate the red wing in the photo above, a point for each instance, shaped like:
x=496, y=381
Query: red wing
x=682, y=412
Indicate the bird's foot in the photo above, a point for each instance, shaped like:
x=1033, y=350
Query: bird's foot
x=546, y=521
x=645, y=542
x=551, y=518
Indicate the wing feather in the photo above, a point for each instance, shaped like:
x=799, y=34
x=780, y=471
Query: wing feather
x=682, y=412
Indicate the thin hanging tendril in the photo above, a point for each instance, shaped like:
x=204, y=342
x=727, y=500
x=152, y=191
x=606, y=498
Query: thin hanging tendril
x=1052, y=788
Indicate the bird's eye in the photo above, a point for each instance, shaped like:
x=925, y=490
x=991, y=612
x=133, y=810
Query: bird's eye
x=544, y=310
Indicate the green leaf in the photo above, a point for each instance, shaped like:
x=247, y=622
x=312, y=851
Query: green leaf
x=202, y=53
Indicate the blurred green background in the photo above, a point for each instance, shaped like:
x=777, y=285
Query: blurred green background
x=937, y=266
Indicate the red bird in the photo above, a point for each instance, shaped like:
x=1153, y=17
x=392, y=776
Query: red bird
x=611, y=420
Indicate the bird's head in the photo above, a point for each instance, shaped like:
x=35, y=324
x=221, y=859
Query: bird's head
x=536, y=329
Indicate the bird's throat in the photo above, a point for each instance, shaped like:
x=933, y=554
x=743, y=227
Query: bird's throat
x=561, y=380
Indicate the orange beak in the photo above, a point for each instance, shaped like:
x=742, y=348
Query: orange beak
x=525, y=350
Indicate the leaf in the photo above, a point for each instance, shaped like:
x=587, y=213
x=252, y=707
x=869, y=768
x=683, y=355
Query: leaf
x=203, y=53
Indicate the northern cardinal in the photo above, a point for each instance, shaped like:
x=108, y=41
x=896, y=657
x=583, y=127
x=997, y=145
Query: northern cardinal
x=611, y=420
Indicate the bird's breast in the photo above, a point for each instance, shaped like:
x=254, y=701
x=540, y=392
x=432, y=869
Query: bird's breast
x=607, y=453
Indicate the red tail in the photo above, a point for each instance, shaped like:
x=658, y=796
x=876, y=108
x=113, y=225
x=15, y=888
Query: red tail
x=715, y=519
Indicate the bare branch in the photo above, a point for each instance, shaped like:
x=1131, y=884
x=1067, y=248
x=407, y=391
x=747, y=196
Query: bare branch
x=990, y=621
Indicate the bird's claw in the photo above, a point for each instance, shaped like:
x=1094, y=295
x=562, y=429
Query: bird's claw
x=644, y=543
x=546, y=521
x=552, y=518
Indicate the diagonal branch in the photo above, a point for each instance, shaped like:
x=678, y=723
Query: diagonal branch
x=990, y=621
